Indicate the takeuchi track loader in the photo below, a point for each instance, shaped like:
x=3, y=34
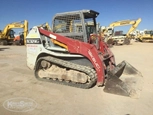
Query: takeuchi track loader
x=77, y=57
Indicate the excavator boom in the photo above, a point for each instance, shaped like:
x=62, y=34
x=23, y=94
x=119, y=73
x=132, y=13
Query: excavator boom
x=134, y=24
x=133, y=27
x=109, y=31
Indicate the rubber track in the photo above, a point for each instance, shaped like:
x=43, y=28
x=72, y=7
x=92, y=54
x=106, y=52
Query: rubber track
x=90, y=72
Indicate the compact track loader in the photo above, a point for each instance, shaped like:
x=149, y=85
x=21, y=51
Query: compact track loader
x=76, y=56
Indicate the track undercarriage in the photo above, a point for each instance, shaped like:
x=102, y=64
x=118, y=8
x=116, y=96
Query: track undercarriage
x=64, y=72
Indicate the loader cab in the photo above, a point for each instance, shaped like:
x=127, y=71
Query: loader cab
x=76, y=24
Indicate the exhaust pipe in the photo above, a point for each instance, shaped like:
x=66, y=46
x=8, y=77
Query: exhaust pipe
x=124, y=80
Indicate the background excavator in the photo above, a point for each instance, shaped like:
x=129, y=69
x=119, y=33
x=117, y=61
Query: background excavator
x=78, y=58
x=120, y=39
x=146, y=36
x=7, y=35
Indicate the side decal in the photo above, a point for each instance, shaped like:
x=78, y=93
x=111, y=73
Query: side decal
x=33, y=41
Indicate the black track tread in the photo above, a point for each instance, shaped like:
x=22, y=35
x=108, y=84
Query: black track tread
x=89, y=71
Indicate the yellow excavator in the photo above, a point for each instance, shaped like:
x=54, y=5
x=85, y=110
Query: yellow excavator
x=146, y=36
x=7, y=35
x=120, y=39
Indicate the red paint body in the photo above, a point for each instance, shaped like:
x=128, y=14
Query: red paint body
x=88, y=50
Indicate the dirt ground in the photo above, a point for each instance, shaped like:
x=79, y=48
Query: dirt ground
x=17, y=80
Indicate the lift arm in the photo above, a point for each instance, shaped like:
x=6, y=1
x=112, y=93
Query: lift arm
x=82, y=48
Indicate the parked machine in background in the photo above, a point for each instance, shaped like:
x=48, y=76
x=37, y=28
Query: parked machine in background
x=146, y=36
x=78, y=58
x=7, y=35
x=19, y=39
x=121, y=39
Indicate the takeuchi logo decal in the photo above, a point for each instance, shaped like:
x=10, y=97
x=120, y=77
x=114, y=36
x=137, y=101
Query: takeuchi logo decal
x=20, y=104
x=94, y=60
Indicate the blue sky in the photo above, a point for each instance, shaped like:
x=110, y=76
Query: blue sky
x=41, y=11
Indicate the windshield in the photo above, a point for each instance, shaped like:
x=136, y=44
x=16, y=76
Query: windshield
x=67, y=24
x=73, y=23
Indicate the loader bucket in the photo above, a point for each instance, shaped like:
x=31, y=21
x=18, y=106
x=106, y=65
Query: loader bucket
x=124, y=80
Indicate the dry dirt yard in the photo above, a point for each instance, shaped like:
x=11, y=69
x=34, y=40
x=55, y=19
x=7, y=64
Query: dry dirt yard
x=16, y=80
